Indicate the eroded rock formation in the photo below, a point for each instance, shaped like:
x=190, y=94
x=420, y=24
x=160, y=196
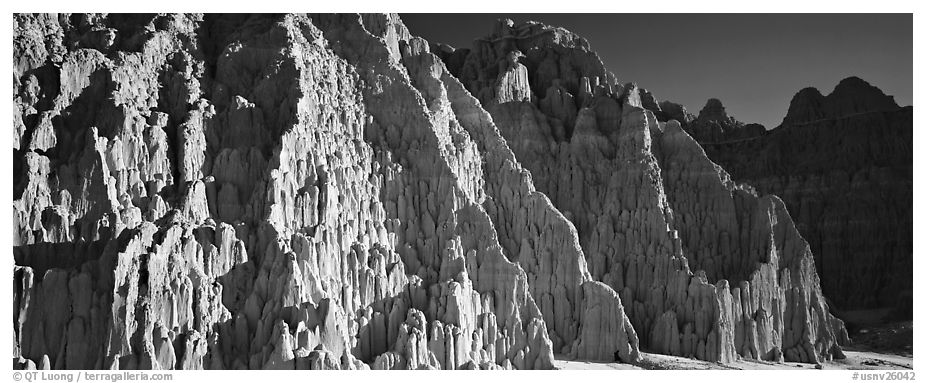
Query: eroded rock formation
x=312, y=192
x=705, y=267
x=332, y=192
x=843, y=163
x=713, y=125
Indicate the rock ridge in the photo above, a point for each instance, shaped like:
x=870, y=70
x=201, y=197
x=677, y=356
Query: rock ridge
x=843, y=164
x=329, y=191
x=656, y=218
x=279, y=192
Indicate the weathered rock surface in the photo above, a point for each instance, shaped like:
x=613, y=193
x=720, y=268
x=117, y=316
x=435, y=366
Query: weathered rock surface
x=280, y=192
x=843, y=163
x=332, y=192
x=657, y=220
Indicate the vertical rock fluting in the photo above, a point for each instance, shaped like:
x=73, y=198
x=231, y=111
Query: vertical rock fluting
x=843, y=164
x=650, y=208
x=332, y=192
x=279, y=192
x=529, y=231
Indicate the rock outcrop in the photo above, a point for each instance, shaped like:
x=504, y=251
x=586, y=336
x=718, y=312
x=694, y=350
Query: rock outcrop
x=704, y=267
x=333, y=192
x=280, y=192
x=851, y=96
x=843, y=163
x=713, y=125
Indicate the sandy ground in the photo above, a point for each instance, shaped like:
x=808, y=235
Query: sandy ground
x=855, y=360
x=876, y=345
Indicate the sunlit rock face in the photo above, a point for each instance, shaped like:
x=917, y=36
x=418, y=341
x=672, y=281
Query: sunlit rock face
x=843, y=163
x=704, y=267
x=333, y=192
x=281, y=192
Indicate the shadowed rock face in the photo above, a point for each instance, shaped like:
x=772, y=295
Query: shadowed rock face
x=713, y=111
x=714, y=125
x=280, y=192
x=843, y=163
x=851, y=96
x=704, y=267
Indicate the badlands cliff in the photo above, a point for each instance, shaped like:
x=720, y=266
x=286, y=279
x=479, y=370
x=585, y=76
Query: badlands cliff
x=843, y=163
x=705, y=267
x=332, y=192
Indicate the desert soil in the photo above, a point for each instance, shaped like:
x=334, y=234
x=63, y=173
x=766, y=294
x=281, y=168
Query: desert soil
x=855, y=360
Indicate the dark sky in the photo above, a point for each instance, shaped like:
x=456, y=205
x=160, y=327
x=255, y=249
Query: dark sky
x=754, y=63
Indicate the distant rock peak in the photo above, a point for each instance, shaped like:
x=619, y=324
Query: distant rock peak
x=713, y=111
x=853, y=83
x=714, y=125
x=851, y=96
x=806, y=105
